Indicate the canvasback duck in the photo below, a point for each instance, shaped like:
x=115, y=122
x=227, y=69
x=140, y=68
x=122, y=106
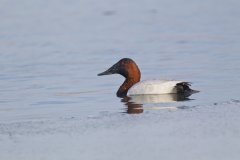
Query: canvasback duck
x=132, y=85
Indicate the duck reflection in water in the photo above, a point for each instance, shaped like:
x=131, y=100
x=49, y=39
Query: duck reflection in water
x=132, y=107
x=134, y=104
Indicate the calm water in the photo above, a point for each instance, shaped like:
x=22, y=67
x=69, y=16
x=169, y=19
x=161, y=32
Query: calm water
x=54, y=106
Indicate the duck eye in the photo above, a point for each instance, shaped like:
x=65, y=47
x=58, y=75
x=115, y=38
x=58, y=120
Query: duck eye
x=123, y=63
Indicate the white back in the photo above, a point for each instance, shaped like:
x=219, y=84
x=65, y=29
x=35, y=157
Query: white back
x=153, y=87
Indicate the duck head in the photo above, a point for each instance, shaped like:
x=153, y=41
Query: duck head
x=128, y=69
x=125, y=67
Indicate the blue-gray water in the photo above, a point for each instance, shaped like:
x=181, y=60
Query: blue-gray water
x=54, y=106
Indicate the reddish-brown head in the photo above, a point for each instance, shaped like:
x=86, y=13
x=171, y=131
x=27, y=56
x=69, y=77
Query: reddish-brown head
x=127, y=68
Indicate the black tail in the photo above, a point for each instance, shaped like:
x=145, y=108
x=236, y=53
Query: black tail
x=184, y=88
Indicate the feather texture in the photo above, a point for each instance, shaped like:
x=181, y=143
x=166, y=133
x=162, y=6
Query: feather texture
x=158, y=87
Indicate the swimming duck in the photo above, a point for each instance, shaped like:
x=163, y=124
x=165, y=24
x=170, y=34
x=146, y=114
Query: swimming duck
x=132, y=85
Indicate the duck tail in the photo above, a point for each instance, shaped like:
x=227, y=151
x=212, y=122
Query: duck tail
x=184, y=88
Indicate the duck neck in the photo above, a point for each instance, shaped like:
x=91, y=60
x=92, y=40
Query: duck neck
x=128, y=83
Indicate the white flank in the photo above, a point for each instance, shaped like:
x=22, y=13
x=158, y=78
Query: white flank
x=153, y=87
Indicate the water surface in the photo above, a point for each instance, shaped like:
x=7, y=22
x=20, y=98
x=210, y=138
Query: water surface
x=54, y=106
